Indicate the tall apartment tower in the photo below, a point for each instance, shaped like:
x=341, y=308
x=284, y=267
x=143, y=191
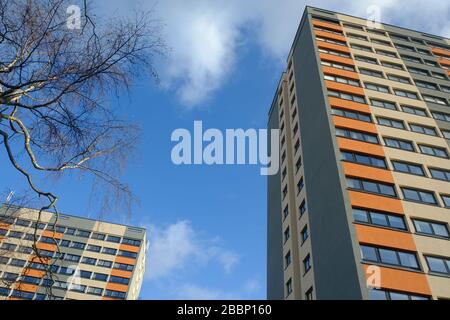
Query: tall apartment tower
x=360, y=208
x=78, y=258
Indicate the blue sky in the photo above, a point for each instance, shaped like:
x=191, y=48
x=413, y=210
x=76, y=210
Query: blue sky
x=207, y=223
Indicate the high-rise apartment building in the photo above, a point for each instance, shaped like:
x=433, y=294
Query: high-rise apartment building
x=360, y=208
x=77, y=258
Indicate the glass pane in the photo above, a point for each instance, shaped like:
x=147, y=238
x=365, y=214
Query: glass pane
x=368, y=253
x=440, y=230
x=400, y=166
x=436, y=265
x=377, y=295
x=396, y=222
x=422, y=226
x=352, y=183
x=411, y=194
x=388, y=256
x=427, y=197
x=416, y=170
x=362, y=159
x=378, y=162
x=408, y=260
x=370, y=186
x=379, y=219
x=388, y=190
x=398, y=296
x=360, y=215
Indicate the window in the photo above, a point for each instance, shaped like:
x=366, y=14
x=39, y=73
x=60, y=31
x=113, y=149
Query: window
x=360, y=47
x=383, y=104
x=424, y=51
x=8, y=246
x=445, y=89
x=120, y=280
x=419, y=195
x=403, y=47
x=392, y=65
x=436, y=100
x=307, y=263
x=379, y=218
x=60, y=229
x=98, y=236
x=23, y=223
x=379, y=41
x=297, y=145
x=340, y=43
x=441, y=174
x=302, y=208
x=70, y=231
x=115, y=294
x=15, y=234
x=72, y=257
x=430, y=63
x=356, y=135
x=289, y=287
x=398, y=37
x=390, y=257
x=441, y=116
x=304, y=234
x=47, y=240
x=40, y=225
x=355, y=36
x=427, y=85
x=67, y=271
x=93, y=248
x=300, y=185
x=4, y=260
x=100, y=277
x=77, y=287
x=309, y=294
x=285, y=191
x=353, y=26
x=446, y=200
x=406, y=94
x=378, y=294
x=342, y=80
x=22, y=294
x=77, y=245
x=334, y=52
x=414, y=110
x=422, y=72
x=104, y=263
x=433, y=151
x=113, y=239
x=287, y=234
x=438, y=75
x=110, y=251
x=4, y=291
x=372, y=73
x=373, y=187
x=364, y=159
x=88, y=260
x=17, y=262
x=64, y=243
x=423, y=129
x=439, y=265
x=397, y=78
x=376, y=87
x=286, y=212
x=3, y=232
x=287, y=259
x=95, y=291
x=366, y=59
x=407, y=167
x=337, y=65
x=298, y=164
x=391, y=123
x=351, y=114
x=431, y=228
x=30, y=280
x=82, y=233
x=410, y=58
x=399, y=144
x=127, y=254
x=123, y=266
x=85, y=274
x=386, y=53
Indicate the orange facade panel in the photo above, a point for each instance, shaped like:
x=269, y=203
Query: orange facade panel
x=442, y=52
x=344, y=88
x=366, y=172
x=324, y=24
x=26, y=287
x=385, y=237
x=444, y=62
x=34, y=273
x=333, y=58
x=402, y=280
x=340, y=73
x=121, y=273
x=375, y=202
x=125, y=260
x=335, y=47
x=360, y=146
x=353, y=124
x=330, y=35
x=51, y=234
x=117, y=287
x=126, y=247
x=346, y=104
x=46, y=246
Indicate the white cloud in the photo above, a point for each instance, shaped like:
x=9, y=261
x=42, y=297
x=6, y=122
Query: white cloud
x=178, y=246
x=206, y=36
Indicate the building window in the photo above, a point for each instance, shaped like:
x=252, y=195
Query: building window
x=334, y=52
x=410, y=58
x=414, y=110
x=438, y=265
x=441, y=116
x=431, y=228
x=123, y=266
x=304, y=234
x=392, y=65
x=18, y=263
x=95, y=291
x=422, y=72
x=309, y=294
x=131, y=242
x=406, y=94
x=115, y=294
x=300, y=185
x=104, y=263
x=93, y=248
x=85, y=274
x=363, y=159
x=408, y=167
x=397, y=78
x=302, y=208
x=307, y=263
x=72, y=257
x=298, y=164
x=120, y=280
x=370, y=72
x=287, y=234
x=372, y=187
x=399, y=144
x=376, y=87
x=113, y=239
x=288, y=287
x=337, y=65
x=366, y=59
x=110, y=251
x=446, y=200
x=436, y=100
x=90, y=261
x=433, y=151
x=383, y=104
x=346, y=96
x=287, y=259
x=285, y=190
x=441, y=174
x=389, y=122
x=342, y=80
x=419, y=195
x=378, y=294
x=297, y=145
x=389, y=257
x=356, y=135
x=446, y=134
x=100, y=277
x=77, y=245
x=98, y=236
x=425, y=84
x=83, y=233
x=285, y=212
x=378, y=218
x=351, y=114
x=423, y=129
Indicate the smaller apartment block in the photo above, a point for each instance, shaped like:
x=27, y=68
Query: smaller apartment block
x=363, y=111
x=79, y=258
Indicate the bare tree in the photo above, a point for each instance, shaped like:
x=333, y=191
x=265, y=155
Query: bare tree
x=56, y=76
